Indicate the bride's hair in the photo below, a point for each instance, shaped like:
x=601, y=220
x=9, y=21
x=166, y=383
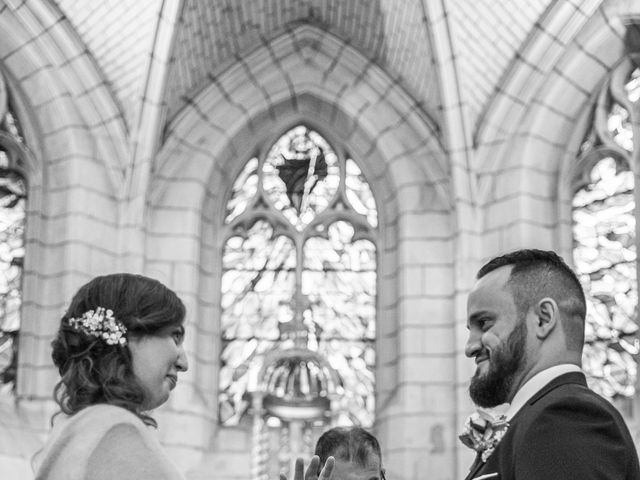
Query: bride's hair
x=95, y=371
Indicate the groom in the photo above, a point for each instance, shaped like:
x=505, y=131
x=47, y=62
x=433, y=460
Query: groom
x=526, y=318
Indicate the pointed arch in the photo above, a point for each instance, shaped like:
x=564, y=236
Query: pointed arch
x=568, y=41
x=307, y=76
x=603, y=195
x=527, y=170
x=71, y=100
x=77, y=151
x=311, y=62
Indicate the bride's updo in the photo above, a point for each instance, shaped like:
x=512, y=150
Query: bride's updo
x=90, y=348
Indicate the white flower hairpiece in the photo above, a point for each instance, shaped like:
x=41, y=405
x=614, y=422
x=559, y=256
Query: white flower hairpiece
x=101, y=324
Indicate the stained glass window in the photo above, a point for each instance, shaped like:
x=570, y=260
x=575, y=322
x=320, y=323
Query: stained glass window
x=13, y=195
x=300, y=176
x=605, y=256
x=604, y=219
x=299, y=261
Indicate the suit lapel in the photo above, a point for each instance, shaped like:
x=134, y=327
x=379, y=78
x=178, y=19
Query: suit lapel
x=571, y=377
x=477, y=465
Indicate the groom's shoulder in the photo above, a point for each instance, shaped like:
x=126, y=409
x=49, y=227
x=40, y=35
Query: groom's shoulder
x=570, y=389
x=568, y=405
x=575, y=408
x=570, y=428
x=573, y=395
x=572, y=398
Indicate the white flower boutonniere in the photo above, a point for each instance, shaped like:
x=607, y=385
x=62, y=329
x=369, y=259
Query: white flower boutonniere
x=484, y=429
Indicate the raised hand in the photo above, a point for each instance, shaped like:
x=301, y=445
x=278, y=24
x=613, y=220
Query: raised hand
x=312, y=469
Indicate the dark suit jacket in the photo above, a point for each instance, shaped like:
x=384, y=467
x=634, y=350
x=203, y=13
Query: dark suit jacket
x=564, y=432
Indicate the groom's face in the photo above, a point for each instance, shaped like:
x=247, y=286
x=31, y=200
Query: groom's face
x=497, y=340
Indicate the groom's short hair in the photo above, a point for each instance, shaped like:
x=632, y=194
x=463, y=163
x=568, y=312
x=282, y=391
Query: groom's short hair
x=543, y=273
x=351, y=444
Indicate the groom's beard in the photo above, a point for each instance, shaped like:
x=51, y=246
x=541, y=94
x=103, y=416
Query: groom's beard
x=492, y=388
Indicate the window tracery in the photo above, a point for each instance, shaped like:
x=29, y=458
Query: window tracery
x=299, y=270
x=13, y=197
x=605, y=236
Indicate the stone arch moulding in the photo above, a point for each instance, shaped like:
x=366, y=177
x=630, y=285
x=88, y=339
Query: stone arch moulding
x=561, y=154
x=541, y=141
x=305, y=63
x=305, y=76
x=65, y=96
x=547, y=69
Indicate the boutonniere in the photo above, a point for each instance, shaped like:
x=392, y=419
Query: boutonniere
x=484, y=429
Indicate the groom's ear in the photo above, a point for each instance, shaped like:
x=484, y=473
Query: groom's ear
x=546, y=317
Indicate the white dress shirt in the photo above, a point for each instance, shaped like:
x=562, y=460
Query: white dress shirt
x=535, y=384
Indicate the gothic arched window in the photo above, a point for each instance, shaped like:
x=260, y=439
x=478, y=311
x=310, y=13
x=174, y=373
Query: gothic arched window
x=13, y=195
x=299, y=270
x=604, y=228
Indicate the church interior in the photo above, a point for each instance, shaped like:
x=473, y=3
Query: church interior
x=319, y=181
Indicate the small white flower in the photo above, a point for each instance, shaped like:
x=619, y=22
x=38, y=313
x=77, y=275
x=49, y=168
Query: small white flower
x=95, y=323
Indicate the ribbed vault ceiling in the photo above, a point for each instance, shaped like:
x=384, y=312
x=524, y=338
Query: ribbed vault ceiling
x=211, y=35
x=482, y=38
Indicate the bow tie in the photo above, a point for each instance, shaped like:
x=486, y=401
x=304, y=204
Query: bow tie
x=484, y=429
